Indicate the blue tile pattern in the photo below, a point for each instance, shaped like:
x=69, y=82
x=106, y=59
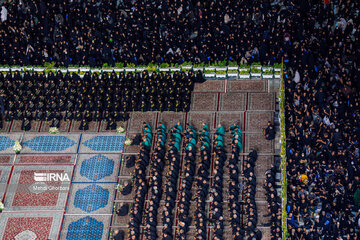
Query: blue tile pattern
x=49, y=143
x=91, y=198
x=106, y=143
x=5, y=143
x=97, y=167
x=85, y=228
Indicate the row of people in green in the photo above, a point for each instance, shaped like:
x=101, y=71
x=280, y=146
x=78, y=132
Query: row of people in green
x=191, y=137
x=147, y=135
x=219, y=136
x=161, y=134
x=236, y=136
x=176, y=132
x=205, y=138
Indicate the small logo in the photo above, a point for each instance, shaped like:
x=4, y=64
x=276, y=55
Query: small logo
x=51, y=177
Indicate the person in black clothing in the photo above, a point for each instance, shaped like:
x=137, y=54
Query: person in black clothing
x=269, y=131
x=123, y=210
x=118, y=235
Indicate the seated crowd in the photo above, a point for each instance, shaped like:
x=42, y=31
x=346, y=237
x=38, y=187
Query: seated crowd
x=108, y=97
x=202, y=181
x=235, y=190
x=274, y=203
x=250, y=191
x=178, y=200
x=140, y=184
x=189, y=169
x=171, y=188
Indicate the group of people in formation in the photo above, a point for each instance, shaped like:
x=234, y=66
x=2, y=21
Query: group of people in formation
x=92, y=97
x=274, y=203
x=163, y=152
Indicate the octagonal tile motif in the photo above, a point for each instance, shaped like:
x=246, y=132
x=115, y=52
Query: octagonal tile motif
x=85, y=228
x=97, y=167
x=91, y=198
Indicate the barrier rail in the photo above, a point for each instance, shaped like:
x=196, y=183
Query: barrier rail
x=221, y=72
x=283, y=153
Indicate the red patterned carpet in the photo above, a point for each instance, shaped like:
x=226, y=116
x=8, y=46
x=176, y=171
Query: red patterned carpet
x=45, y=159
x=41, y=226
x=24, y=196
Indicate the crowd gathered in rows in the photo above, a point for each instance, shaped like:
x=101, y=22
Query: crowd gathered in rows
x=201, y=186
x=92, y=97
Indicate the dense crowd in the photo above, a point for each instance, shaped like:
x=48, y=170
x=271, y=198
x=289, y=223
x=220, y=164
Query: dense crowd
x=96, y=32
x=94, y=97
x=322, y=121
x=318, y=40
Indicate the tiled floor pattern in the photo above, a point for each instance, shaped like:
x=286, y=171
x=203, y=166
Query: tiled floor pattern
x=53, y=190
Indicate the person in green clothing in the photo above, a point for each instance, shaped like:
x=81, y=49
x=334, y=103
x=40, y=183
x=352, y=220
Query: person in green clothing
x=220, y=130
x=162, y=127
x=206, y=144
x=238, y=144
x=219, y=138
x=219, y=144
x=205, y=127
x=178, y=127
x=146, y=125
x=146, y=141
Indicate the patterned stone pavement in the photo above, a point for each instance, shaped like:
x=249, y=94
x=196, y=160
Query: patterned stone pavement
x=95, y=163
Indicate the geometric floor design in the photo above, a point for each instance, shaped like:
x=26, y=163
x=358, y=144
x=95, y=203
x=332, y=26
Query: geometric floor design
x=53, y=191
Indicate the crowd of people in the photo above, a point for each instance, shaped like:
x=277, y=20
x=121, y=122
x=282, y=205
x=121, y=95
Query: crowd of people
x=171, y=187
x=202, y=181
x=189, y=170
x=318, y=41
x=140, y=184
x=94, y=97
x=274, y=203
x=216, y=192
x=81, y=32
x=235, y=203
x=322, y=80
x=249, y=191
x=157, y=164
